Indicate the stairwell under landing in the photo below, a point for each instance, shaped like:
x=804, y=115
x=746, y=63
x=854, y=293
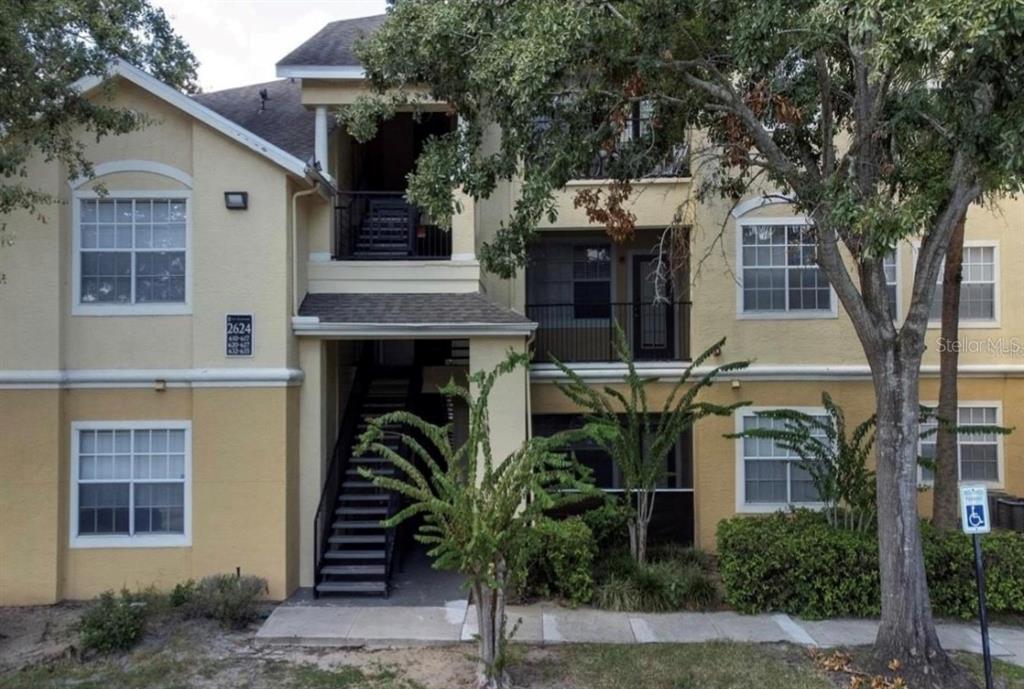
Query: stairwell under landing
x=356, y=553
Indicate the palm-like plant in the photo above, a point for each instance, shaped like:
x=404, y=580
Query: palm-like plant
x=476, y=508
x=835, y=460
x=637, y=438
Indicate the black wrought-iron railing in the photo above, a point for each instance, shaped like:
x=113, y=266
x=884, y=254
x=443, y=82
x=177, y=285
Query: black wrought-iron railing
x=655, y=331
x=324, y=517
x=382, y=225
x=675, y=164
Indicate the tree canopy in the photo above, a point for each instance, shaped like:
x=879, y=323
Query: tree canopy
x=48, y=45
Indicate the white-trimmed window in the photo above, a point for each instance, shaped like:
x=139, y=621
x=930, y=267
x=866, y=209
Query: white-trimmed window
x=770, y=476
x=979, y=455
x=131, y=253
x=891, y=266
x=780, y=276
x=977, y=289
x=130, y=484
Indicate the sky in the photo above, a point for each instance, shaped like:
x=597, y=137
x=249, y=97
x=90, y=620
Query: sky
x=237, y=42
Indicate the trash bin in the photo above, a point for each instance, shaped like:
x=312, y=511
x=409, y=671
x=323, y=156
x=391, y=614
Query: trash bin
x=1009, y=514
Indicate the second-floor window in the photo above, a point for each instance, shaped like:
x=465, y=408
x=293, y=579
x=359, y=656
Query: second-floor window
x=977, y=288
x=131, y=254
x=779, y=271
x=574, y=276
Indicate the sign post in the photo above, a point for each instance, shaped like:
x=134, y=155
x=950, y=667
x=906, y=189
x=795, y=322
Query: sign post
x=975, y=521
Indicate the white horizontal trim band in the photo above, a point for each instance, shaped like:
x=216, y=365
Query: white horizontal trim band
x=658, y=370
x=149, y=377
x=321, y=72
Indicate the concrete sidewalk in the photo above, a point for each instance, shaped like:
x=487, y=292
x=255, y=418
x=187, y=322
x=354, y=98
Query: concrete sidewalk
x=456, y=621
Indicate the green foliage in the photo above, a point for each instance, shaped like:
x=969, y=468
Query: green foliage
x=232, y=600
x=925, y=90
x=799, y=564
x=113, y=623
x=47, y=47
x=638, y=439
x=182, y=593
x=835, y=460
x=476, y=506
x=608, y=524
x=678, y=580
x=556, y=561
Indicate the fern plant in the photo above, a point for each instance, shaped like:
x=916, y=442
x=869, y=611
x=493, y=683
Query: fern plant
x=835, y=460
x=477, y=508
x=637, y=438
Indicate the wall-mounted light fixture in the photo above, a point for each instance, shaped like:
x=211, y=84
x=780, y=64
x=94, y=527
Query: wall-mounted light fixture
x=236, y=200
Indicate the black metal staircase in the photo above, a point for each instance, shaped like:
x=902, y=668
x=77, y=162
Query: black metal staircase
x=354, y=553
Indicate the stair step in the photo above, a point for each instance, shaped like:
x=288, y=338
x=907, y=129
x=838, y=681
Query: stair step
x=354, y=511
x=353, y=485
x=346, y=570
x=363, y=497
x=386, y=471
x=341, y=540
x=378, y=587
x=357, y=525
x=354, y=555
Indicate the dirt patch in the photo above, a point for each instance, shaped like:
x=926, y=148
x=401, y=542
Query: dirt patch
x=37, y=635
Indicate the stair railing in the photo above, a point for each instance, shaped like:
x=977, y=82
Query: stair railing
x=395, y=538
x=338, y=465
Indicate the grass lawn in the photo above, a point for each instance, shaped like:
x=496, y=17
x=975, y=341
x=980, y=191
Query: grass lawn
x=181, y=664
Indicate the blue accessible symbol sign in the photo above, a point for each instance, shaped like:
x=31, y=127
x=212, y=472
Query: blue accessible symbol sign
x=974, y=509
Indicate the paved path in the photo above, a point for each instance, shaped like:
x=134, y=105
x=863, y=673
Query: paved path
x=455, y=621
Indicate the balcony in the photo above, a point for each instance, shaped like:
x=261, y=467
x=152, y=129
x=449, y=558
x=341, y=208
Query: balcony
x=383, y=226
x=584, y=332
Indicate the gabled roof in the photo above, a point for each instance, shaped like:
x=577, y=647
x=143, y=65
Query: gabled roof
x=330, y=52
x=281, y=119
x=201, y=112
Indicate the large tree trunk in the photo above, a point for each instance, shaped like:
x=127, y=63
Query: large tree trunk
x=947, y=469
x=907, y=633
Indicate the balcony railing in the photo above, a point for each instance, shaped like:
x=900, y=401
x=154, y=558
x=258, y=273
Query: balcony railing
x=655, y=331
x=676, y=164
x=382, y=226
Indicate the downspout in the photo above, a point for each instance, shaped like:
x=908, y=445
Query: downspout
x=295, y=246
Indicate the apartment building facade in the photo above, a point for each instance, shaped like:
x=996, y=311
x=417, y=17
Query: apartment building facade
x=194, y=338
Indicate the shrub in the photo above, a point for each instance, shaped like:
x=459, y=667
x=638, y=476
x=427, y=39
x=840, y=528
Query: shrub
x=678, y=580
x=608, y=524
x=230, y=599
x=182, y=593
x=556, y=560
x=798, y=564
x=113, y=623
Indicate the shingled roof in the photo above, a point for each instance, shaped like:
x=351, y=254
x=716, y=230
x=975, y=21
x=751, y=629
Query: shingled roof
x=458, y=311
x=282, y=119
x=334, y=44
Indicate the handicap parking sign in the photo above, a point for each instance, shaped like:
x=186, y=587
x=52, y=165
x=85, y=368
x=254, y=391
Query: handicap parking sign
x=974, y=515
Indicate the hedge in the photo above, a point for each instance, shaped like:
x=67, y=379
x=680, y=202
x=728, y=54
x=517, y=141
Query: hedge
x=797, y=563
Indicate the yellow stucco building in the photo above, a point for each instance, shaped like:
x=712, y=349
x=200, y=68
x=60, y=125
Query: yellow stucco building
x=193, y=338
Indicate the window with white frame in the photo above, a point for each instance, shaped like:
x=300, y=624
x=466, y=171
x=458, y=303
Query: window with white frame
x=977, y=288
x=130, y=484
x=132, y=251
x=772, y=475
x=892, y=282
x=977, y=453
x=780, y=273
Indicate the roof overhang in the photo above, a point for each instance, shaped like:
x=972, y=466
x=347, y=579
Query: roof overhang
x=120, y=68
x=311, y=326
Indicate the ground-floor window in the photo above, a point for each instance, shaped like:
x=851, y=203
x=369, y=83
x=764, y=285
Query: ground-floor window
x=130, y=483
x=771, y=476
x=978, y=453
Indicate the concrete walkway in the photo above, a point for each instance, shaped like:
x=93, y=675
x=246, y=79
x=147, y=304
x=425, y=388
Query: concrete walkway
x=456, y=621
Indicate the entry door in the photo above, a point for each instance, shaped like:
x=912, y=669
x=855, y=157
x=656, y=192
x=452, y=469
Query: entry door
x=653, y=322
